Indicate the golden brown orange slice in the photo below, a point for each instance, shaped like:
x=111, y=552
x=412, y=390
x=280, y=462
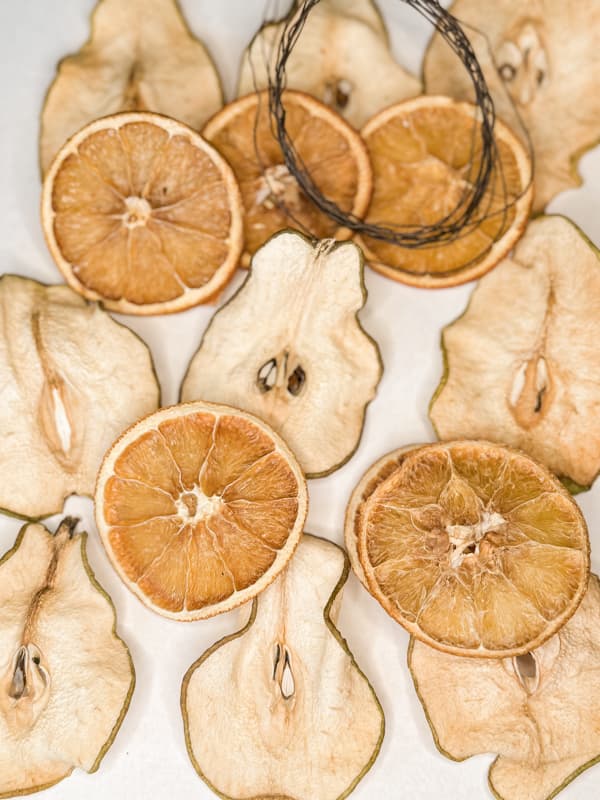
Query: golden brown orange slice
x=199, y=507
x=329, y=148
x=426, y=154
x=143, y=214
x=475, y=549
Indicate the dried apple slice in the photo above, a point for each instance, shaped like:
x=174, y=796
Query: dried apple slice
x=521, y=362
x=281, y=709
x=308, y=368
x=545, y=60
x=141, y=56
x=72, y=378
x=66, y=678
x=540, y=711
x=342, y=57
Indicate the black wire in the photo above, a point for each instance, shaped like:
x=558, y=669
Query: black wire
x=462, y=218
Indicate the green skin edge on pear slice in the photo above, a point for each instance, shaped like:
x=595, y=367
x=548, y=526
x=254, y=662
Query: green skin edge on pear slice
x=572, y=486
x=346, y=459
x=107, y=745
x=343, y=644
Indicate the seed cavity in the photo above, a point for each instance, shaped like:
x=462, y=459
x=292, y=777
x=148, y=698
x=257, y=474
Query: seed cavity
x=296, y=381
x=282, y=672
x=531, y=391
x=267, y=376
x=24, y=689
x=526, y=670
x=337, y=93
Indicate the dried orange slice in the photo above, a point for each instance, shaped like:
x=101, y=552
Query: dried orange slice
x=475, y=549
x=143, y=214
x=199, y=507
x=425, y=154
x=329, y=148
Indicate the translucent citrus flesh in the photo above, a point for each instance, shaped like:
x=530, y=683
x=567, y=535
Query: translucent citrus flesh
x=329, y=149
x=425, y=161
x=474, y=547
x=198, y=509
x=140, y=214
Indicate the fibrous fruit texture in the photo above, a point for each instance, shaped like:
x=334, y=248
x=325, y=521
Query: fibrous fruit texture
x=71, y=379
x=281, y=709
x=522, y=363
x=290, y=349
x=539, y=711
x=66, y=678
x=141, y=57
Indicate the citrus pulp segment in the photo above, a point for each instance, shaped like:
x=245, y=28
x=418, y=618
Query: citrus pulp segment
x=426, y=155
x=475, y=549
x=330, y=150
x=199, y=507
x=143, y=214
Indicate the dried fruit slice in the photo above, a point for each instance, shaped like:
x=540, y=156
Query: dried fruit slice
x=373, y=477
x=343, y=58
x=332, y=152
x=141, y=56
x=72, y=378
x=281, y=709
x=308, y=368
x=526, y=54
x=524, y=354
x=199, y=507
x=425, y=155
x=539, y=711
x=66, y=678
x=143, y=214
x=475, y=549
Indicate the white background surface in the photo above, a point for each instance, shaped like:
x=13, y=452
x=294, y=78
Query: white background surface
x=148, y=758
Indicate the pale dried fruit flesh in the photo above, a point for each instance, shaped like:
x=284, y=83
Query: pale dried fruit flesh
x=281, y=709
x=330, y=150
x=72, y=378
x=539, y=712
x=541, y=61
x=342, y=58
x=141, y=56
x=426, y=155
x=521, y=363
x=475, y=549
x=141, y=213
x=290, y=349
x=373, y=477
x=66, y=678
x=199, y=507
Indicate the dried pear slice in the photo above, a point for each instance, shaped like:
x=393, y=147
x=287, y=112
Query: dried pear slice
x=308, y=369
x=141, y=56
x=544, y=57
x=540, y=712
x=475, y=549
x=281, y=709
x=72, y=378
x=373, y=477
x=66, y=678
x=521, y=363
x=342, y=57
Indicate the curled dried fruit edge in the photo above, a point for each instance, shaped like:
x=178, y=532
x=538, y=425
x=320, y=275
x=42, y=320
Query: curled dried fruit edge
x=285, y=690
x=308, y=368
x=66, y=678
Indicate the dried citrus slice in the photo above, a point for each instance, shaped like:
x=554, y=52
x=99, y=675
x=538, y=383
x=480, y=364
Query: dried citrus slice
x=332, y=152
x=141, y=56
x=143, y=214
x=199, y=507
x=539, y=712
x=343, y=58
x=475, y=549
x=375, y=475
x=425, y=155
x=542, y=65
x=285, y=691
x=66, y=678
x=519, y=359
